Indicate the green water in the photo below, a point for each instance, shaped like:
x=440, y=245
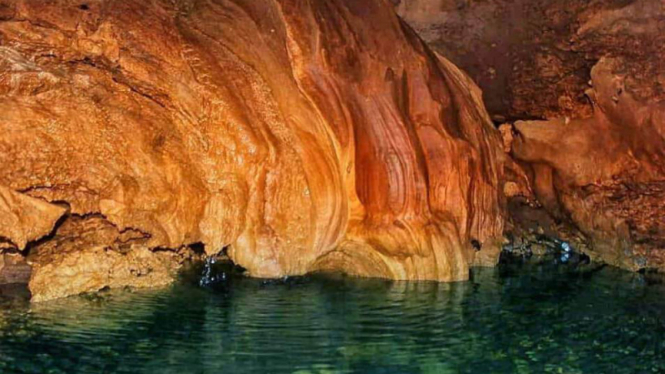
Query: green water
x=547, y=318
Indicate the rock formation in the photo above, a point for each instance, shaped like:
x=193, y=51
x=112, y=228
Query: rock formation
x=24, y=219
x=88, y=254
x=594, y=70
x=532, y=58
x=606, y=174
x=297, y=135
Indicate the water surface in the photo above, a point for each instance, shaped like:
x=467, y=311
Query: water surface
x=544, y=318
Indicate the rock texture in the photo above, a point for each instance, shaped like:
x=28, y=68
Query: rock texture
x=595, y=71
x=89, y=254
x=14, y=269
x=24, y=219
x=606, y=174
x=299, y=135
x=532, y=58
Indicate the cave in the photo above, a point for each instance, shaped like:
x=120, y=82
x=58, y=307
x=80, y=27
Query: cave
x=332, y=186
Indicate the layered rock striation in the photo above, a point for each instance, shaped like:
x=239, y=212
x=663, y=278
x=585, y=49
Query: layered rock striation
x=297, y=136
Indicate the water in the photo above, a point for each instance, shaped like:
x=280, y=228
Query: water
x=543, y=318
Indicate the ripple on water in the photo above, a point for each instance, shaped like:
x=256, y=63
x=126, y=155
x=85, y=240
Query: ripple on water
x=525, y=319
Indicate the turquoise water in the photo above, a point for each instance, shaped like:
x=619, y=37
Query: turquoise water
x=537, y=318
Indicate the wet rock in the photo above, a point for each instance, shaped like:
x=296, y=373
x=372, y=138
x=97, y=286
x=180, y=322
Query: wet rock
x=89, y=254
x=539, y=249
x=14, y=269
x=303, y=136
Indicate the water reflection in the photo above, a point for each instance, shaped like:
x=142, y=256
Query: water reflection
x=516, y=319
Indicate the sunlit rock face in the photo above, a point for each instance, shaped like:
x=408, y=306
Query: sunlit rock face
x=300, y=135
x=594, y=70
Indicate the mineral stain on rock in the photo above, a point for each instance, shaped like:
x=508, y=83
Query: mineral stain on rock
x=304, y=136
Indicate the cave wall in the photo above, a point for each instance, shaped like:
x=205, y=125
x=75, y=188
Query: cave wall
x=533, y=58
x=587, y=81
x=296, y=136
x=300, y=136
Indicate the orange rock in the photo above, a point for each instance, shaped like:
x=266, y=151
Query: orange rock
x=303, y=136
x=596, y=165
x=89, y=254
x=24, y=219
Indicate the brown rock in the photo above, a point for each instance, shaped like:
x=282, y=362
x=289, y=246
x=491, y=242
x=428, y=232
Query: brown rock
x=595, y=69
x=304, y=136
x=13, y=269
x=539, y=249
x=607, y=173
x=532, y=58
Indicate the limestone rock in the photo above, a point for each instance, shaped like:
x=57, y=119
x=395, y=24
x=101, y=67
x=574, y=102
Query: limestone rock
x=14, y=269
x=595, y=70
x=301, y=135
x=24, y=219
x=89, y=254
x=532, y=58
x=606, y=174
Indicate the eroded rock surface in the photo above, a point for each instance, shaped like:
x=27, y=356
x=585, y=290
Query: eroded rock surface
x=605, y=174
x=595, y=71
x=89, y=254
x=302, y=135
x=14, y=269
x=24, y=219
x=532, y=58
